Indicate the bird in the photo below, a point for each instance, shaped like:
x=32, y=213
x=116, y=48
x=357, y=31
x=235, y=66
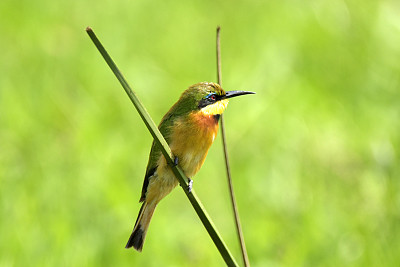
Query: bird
x=189, y=127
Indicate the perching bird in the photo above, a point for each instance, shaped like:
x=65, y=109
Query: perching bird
x=189, y=128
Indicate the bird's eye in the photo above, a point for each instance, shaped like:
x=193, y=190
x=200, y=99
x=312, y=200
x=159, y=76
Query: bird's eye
x=212, y=97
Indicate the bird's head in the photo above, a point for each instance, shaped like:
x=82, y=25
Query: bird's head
x=208, y=98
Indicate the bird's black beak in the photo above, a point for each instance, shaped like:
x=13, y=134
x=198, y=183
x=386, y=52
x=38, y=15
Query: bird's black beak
x=230, y=94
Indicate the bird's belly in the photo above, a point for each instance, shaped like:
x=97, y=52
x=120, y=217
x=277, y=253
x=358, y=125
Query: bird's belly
x=161, y=183
x=191, y=161
x=163, y=180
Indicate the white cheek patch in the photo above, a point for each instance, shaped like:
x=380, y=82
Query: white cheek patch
x=216, y=108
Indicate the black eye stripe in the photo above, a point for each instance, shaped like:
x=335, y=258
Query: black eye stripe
x=211, y=96
x=209, y=99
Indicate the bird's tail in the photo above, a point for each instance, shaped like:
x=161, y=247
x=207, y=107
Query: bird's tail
x=138, y=235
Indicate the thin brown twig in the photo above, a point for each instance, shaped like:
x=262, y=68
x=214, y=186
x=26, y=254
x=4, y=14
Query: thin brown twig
x=228, y=172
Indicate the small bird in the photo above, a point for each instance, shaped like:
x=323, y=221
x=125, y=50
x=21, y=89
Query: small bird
x=189, y=127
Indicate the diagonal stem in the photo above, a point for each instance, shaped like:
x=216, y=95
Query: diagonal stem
x=201, y=212
x=228, y=171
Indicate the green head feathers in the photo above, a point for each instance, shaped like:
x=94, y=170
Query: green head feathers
x=202, y=95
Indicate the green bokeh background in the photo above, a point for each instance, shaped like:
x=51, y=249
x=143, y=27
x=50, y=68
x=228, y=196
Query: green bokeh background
x=314, y=155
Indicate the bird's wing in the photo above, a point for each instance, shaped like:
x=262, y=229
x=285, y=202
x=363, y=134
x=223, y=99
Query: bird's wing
x=155, y=153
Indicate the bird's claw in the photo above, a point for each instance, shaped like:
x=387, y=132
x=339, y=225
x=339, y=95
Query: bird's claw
x=190, y=185
x=176, y=160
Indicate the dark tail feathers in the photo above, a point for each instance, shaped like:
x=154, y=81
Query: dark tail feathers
x=136, y=239
x=138, y=235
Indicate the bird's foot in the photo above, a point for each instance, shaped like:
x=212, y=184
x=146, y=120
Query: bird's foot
x=190, y=185
x=176, y=160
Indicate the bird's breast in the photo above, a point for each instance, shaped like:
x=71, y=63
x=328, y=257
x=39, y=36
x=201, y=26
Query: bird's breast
x=191, y=137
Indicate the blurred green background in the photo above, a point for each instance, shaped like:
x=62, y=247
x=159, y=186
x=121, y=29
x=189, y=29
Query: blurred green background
x=314, y=155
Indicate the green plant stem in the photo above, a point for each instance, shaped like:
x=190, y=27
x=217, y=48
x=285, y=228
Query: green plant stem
x=204, y=217
x=228, y=170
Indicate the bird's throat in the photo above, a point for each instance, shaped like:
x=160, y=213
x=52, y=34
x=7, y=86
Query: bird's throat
x=216, y=108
